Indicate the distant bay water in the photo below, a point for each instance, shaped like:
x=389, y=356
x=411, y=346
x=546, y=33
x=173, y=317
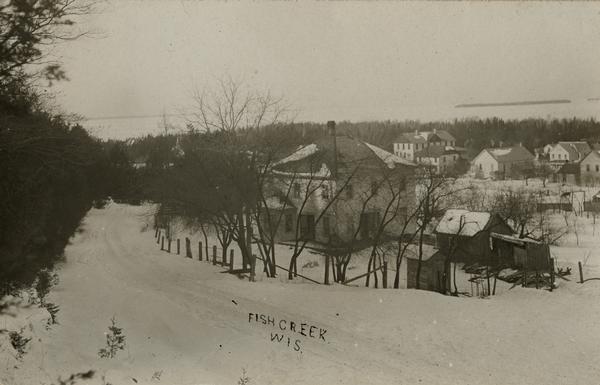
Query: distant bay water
x=136, y=126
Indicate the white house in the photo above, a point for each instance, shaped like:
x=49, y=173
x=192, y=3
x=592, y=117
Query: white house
x=590, y=169
x=443, y=159
x=407, y=144
x=569, y=151
x=492, y=162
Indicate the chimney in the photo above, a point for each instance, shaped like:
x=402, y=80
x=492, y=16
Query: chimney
x=331, y=128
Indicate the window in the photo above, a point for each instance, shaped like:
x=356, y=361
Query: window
x=326, y=226
x=349, y=191
x=288, y=223
x=325, y=191
x=480, y=166
x=597, y=168
x=587, y=167
x=297, y=189
x=455, y=157
x=403, y=146
x=374, y=187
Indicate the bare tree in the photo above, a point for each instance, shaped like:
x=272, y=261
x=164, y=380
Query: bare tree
x=435, y=193
x=311, y=183
x=29, y=28
x=522, y=210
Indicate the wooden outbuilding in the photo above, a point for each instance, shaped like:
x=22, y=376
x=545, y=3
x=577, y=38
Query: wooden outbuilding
x=435, y=272
x=465, y=235
x=524, y=253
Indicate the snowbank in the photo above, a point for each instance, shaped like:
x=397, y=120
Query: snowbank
x=187, y=323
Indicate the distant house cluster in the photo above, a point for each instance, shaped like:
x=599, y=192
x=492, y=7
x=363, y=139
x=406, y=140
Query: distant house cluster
x=573, y=162
x=436, y=149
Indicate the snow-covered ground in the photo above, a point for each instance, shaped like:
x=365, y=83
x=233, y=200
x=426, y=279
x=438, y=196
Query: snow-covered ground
x=187, y=323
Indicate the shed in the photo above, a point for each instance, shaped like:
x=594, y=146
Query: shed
x=435, y=272
x=526, y=253
x=569, y=173
x=465, y=235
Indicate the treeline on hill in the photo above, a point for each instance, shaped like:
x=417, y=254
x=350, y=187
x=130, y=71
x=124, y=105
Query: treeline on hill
x=51, y=172
x=474, y=134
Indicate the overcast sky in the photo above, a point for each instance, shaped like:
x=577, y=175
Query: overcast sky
x=341, y=61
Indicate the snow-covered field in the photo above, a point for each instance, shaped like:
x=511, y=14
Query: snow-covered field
x=187, y=323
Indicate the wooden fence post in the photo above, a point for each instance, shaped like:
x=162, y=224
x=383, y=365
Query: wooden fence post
x=326, y=281
x=334, y=272
x=169, y=245
x=178, y=246
x=231, y=260
x=224, y=261
x=162, y=243
x=384, y=277
x=156, y=232
x=158, y=239
x=199, y=251
x=580, y=272
x=252, y=268
x=551, y=274
x=214, y=255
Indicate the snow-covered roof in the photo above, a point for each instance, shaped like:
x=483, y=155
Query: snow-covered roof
x=299, y=154
x=346, y=153
x=387, y=157
x=510, y=154
x=500, y=151
x=514, y=239
x=576, y=150
x=462, y=222
x=425, y=136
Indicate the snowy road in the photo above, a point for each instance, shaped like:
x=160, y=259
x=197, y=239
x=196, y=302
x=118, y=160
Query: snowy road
x=186, y=323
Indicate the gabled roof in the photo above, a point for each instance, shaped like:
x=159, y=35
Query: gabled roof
x=577, y=150
x=445, y=135
x=595, y=154
x=435, y=152
x=463, y=222
x=510, y=154
x=351, y=152
x=425, y=136
x=411, y=137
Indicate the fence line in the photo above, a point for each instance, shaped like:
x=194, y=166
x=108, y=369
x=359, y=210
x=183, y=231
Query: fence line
x=299, y=275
